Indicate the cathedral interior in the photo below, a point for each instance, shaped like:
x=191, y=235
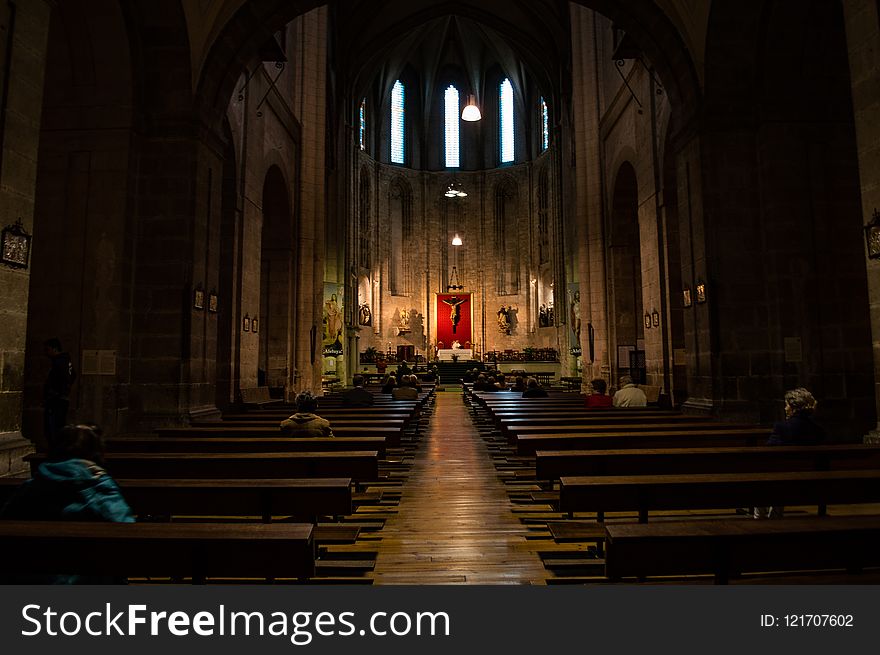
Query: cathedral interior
x=204, y=197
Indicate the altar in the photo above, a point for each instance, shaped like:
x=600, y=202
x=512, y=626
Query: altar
x=463, y=354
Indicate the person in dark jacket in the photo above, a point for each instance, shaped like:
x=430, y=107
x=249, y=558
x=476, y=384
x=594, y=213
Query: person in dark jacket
x=533, y=390
x=56, y=391
x=71, y=486
x=357, y=396
x=798, y=429
x=305, y=423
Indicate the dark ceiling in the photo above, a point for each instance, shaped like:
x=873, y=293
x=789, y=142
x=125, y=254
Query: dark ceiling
x=378, y=40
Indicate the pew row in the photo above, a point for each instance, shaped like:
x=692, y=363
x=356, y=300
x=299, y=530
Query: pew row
x=646, y=493
x=176, y=550
x=728, y=548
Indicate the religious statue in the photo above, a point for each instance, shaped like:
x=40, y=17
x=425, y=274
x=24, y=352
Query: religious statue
x=404, y=319
x=455, y=304
x=365, y=316
x=334, y=320
x=543, y=317
x=504, y=322
x=551, y=319
x=575, y=317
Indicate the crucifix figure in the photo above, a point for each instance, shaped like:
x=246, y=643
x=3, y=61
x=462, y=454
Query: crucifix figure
x=455, y=304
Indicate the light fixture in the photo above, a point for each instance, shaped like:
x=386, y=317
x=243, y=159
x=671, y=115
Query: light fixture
x=454, y=190
x=471, y=112
x=454, y=284
x=456, y=240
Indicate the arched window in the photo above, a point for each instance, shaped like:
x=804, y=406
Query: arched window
x=362, y=124
x=397, y=124
x=505, y=112
x=545, y=126
x=451, y=127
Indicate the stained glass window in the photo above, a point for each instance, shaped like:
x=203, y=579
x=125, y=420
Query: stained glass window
x=545, y=125
x=362, y=124
x=505, y=105
x=397, y=124
x=451, y=121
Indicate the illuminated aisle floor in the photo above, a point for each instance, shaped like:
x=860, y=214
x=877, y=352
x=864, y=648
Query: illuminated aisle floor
x=454, y=524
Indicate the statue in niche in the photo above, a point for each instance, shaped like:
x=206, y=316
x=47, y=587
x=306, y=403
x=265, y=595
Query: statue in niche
x=404, y=319
x=551, y=321
x=504, y=320
x=575, y=316
x=365, y=316
x=455, y=304
x=543, y=317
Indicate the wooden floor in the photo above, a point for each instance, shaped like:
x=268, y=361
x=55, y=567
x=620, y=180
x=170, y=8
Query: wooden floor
x=454, y=523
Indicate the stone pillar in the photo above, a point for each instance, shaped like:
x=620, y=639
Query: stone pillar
x=863, y=43
x=588, y=214
x=21, y=74
x=312, y=110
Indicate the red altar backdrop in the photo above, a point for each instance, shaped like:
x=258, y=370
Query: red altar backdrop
x=444, y=310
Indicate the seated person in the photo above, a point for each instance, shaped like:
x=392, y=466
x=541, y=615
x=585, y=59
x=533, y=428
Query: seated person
x=415, y=383
x=480, y=383
x=71, y=486
x=357, y=396
x=305, y=423
x=629, y=395
x=533, y=390
x=389, y=384
x=598, y=399
x=403, y=369
x=405, y=390
x=501, y=382
x=519, y=384
x=798, y=429
x=431, y=375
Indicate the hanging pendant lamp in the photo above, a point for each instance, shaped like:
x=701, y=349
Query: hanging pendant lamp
x=471, y=112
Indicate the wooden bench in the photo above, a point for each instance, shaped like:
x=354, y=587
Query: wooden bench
x=306, y=497
x=515, y=432
x=392, y=435
x=727, y=548
x=257, y=397
x=242, y=444
x=707, y=437
x=360, y=466
x=177, y=550
x=645, y=493
x=552, y=465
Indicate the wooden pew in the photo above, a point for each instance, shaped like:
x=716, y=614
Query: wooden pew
x=360, y=466
x=552, y=465
x=307, y=497
x=176, y=550
x=728, y=548
x=514, y=434
x=645, y=493
x=392, y=435
x=707, y=437
x=346, y=420
x=242, y=444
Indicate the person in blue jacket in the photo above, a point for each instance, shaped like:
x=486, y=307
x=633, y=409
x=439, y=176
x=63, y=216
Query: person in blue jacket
x=71, y=486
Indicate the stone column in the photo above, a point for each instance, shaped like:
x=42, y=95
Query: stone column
x=863, y=43
x=22, y=66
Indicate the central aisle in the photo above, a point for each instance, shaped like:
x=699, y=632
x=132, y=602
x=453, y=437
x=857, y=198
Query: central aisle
x=454, y=521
